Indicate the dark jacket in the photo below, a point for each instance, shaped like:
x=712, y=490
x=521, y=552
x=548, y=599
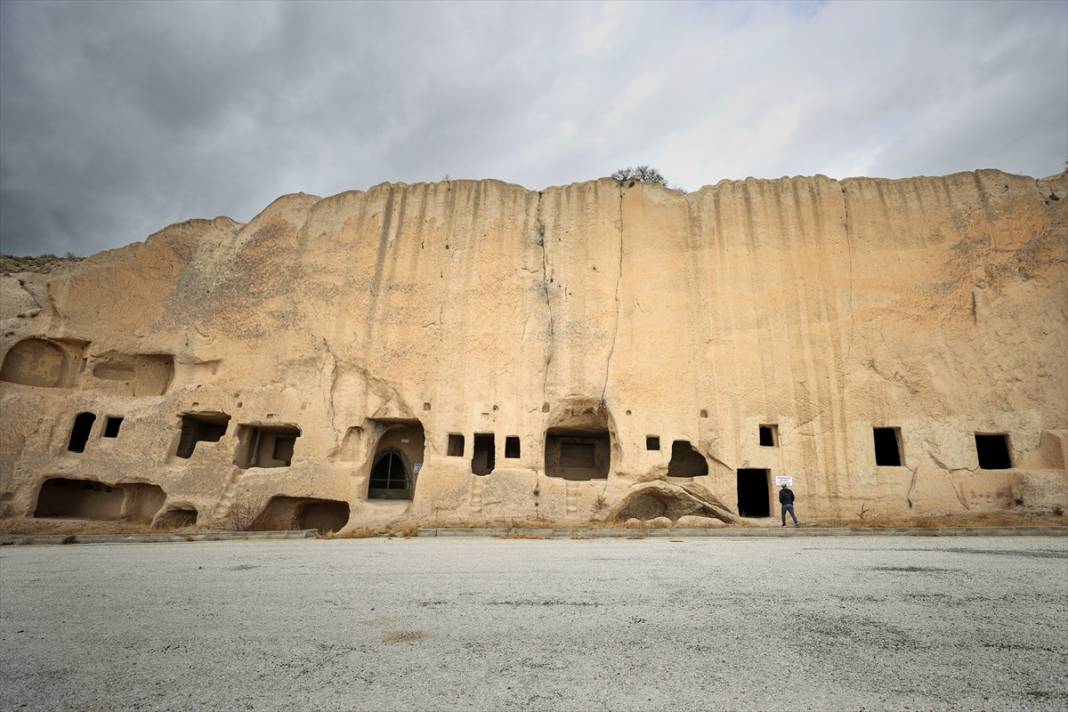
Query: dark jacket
x=786, y=496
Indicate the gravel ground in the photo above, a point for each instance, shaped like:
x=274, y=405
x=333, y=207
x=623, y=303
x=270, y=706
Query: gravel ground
x=500, y=624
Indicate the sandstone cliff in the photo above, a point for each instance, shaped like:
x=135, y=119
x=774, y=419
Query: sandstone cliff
x=478, y=352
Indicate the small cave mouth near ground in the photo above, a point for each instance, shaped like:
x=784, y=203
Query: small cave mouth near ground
x=754, y=493
x=660, y=499
x=64, y=498
x=288, y=513
x=176, y=518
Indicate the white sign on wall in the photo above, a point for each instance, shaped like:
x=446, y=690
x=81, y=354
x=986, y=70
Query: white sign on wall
x=781, y=480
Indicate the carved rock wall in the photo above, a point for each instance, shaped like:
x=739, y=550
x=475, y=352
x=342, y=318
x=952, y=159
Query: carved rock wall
x=581, y=321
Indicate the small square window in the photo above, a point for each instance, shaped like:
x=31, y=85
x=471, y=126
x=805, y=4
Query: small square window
x=993, y=451
x=511, y=447
x=456, y=445
x=265, y=445
x=887, y=446
x=112, y=425
x=769, y=435
x=652, y=442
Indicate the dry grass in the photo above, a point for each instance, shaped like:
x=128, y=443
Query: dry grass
x=241, y=520
x=398, y=530
x=405, y=636
x=72, y=526
x=992, y=519
x=242, y=515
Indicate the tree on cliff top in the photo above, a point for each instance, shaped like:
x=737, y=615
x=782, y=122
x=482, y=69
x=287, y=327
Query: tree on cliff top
x=641, y=174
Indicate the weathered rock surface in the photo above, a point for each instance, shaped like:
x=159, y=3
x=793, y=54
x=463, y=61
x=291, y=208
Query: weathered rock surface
x=475, y=352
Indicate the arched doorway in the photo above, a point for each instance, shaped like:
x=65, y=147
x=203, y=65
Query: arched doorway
x=390, y=477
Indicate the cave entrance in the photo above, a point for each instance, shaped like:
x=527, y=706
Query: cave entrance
x=578, y=440
x=288, y=513
x=176, y=518
x=88, y=499
x=578, y=454
x=79, y=499
x=398, y=459
x=323, y=515
x=389, y=477
x=484, y=458
x=686, y=461
x=754, y=493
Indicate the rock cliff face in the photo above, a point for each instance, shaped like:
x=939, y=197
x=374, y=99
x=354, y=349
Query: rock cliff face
x=475, y=352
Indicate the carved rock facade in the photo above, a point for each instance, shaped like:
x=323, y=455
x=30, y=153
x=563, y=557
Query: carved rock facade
x=478, y=353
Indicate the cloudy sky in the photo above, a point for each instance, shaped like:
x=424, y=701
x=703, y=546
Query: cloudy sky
x=117, y=119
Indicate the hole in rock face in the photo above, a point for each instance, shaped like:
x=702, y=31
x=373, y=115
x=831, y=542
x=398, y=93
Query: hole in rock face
x=511, y=447
x=578, y=440
x=456, y=445
x=993, y=451
x=200, y=427
x=652, y=442
x=324, y=516
x=78, y=499
x=266, y=445
x=287, y=513
x=482, y=462
x=112, y=425
x=142, y=501
x=89, y=499
x=887, y=447
x=36, y=362
x=768, y=435
x=578, y=455
x=79, y=433
x=704, y=413
x=390, y=477
x=754, y=493
x=176, y=518
x=398, y=458
x=685, y=461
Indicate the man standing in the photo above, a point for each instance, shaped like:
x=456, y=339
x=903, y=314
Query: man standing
x=786, y=499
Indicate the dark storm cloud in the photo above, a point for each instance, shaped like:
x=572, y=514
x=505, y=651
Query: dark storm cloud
x=117, y=119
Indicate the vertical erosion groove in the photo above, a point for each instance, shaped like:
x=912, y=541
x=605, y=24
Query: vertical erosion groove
x=539, y=226
x=849, y=253
x=619, y=279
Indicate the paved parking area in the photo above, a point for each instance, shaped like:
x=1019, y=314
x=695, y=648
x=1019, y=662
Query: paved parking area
x=492, y=624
